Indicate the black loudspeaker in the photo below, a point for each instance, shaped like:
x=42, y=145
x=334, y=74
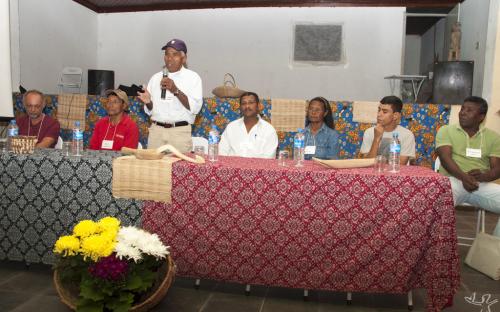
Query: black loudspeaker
x=452, y=82
x=100, y=81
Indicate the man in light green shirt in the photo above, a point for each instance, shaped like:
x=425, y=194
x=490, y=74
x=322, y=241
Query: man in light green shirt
x=470, y=156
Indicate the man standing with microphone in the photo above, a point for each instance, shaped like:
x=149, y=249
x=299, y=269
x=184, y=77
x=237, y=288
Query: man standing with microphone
x=172, y=99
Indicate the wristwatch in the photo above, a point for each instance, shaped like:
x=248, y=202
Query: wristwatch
x=177, y=92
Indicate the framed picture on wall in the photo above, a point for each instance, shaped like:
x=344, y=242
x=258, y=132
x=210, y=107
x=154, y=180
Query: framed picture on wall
x=318, y=44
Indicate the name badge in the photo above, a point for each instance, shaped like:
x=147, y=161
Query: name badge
x=107, y=144
x=473, y=152
x=310, y=150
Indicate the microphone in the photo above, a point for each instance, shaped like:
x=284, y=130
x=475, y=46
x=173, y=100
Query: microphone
x=164, y=91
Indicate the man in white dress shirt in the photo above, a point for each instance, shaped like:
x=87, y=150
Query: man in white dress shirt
x=249, y=136
x=172, y=98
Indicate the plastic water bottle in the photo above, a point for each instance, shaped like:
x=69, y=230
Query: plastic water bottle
x=12, y=132
x=299, y=146
x=394, y=152
x=213, y=144
x=77, y=147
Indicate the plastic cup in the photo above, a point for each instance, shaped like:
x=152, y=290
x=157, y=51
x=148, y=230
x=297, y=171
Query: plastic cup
x=66, y=148
x=283, y=158
x=380, y=164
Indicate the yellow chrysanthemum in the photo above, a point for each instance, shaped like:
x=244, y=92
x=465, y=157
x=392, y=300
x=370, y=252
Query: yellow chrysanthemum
x=109, y=224
x=67, y=245
x=97, y=246
x=85, y=228
x=110, y=234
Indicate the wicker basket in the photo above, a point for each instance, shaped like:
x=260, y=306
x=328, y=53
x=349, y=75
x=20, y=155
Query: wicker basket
x=23, y=144
x=228, y=88
x=165, y=278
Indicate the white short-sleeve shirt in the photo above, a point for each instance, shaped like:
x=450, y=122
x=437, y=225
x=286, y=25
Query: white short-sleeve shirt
x=406, y=138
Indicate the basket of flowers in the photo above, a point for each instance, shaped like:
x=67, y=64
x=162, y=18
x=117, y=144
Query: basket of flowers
x=103, y=266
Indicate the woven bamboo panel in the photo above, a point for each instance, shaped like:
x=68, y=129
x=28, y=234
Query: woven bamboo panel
x=288, y=115
x=71, y=108
x=365, y=112
x=143, y=179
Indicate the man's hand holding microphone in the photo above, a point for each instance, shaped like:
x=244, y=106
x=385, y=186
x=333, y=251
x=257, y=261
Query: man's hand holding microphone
x=166, y=84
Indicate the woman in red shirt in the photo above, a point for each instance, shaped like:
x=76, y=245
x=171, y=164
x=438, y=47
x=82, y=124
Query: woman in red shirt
x=117, y=129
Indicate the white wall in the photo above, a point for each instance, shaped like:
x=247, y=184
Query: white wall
x=254, y=44
x=432, y=46
x=412, y=54
x=474, y=20
x=5, y=76
x=14, y=44
x=53, y=34
x=491, y=81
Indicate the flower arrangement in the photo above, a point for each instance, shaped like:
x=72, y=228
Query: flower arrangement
x=111, y=267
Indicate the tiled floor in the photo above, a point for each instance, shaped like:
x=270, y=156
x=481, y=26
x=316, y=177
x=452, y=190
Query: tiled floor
x=30, y=289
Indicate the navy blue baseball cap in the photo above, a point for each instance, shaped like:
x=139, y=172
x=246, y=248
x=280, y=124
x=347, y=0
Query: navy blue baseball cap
x=176, y=44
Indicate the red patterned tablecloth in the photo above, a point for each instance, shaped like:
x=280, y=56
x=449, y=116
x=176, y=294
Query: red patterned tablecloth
x=252, y=222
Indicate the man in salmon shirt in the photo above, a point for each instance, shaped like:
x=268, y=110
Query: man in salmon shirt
x=117, y=129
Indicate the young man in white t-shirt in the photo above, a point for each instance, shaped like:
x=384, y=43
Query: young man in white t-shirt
x=376, y=140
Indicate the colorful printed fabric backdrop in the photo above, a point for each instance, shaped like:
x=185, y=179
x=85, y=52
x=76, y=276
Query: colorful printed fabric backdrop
x=95, y=110
x=422, y=119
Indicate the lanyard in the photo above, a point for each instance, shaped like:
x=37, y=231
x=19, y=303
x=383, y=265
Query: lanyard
x=468, y=142
x=40, y=128
x=114, y=133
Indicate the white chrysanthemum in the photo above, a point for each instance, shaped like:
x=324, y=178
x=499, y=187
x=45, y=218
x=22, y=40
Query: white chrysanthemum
x=124, y=250
x=146, y=242
x=154, y=247
x=129, y=234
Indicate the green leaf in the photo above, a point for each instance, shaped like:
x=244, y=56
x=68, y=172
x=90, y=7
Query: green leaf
x=133, y=282
x=123, y=303
x=89, y=291
x=86, y=305
x=140, y=281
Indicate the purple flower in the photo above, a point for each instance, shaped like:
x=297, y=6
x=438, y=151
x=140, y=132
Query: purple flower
x=110, y=268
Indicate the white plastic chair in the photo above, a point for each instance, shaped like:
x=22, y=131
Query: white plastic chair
x=199, y=141
x=70, y=80
x=480, y=214
x=59, y=144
